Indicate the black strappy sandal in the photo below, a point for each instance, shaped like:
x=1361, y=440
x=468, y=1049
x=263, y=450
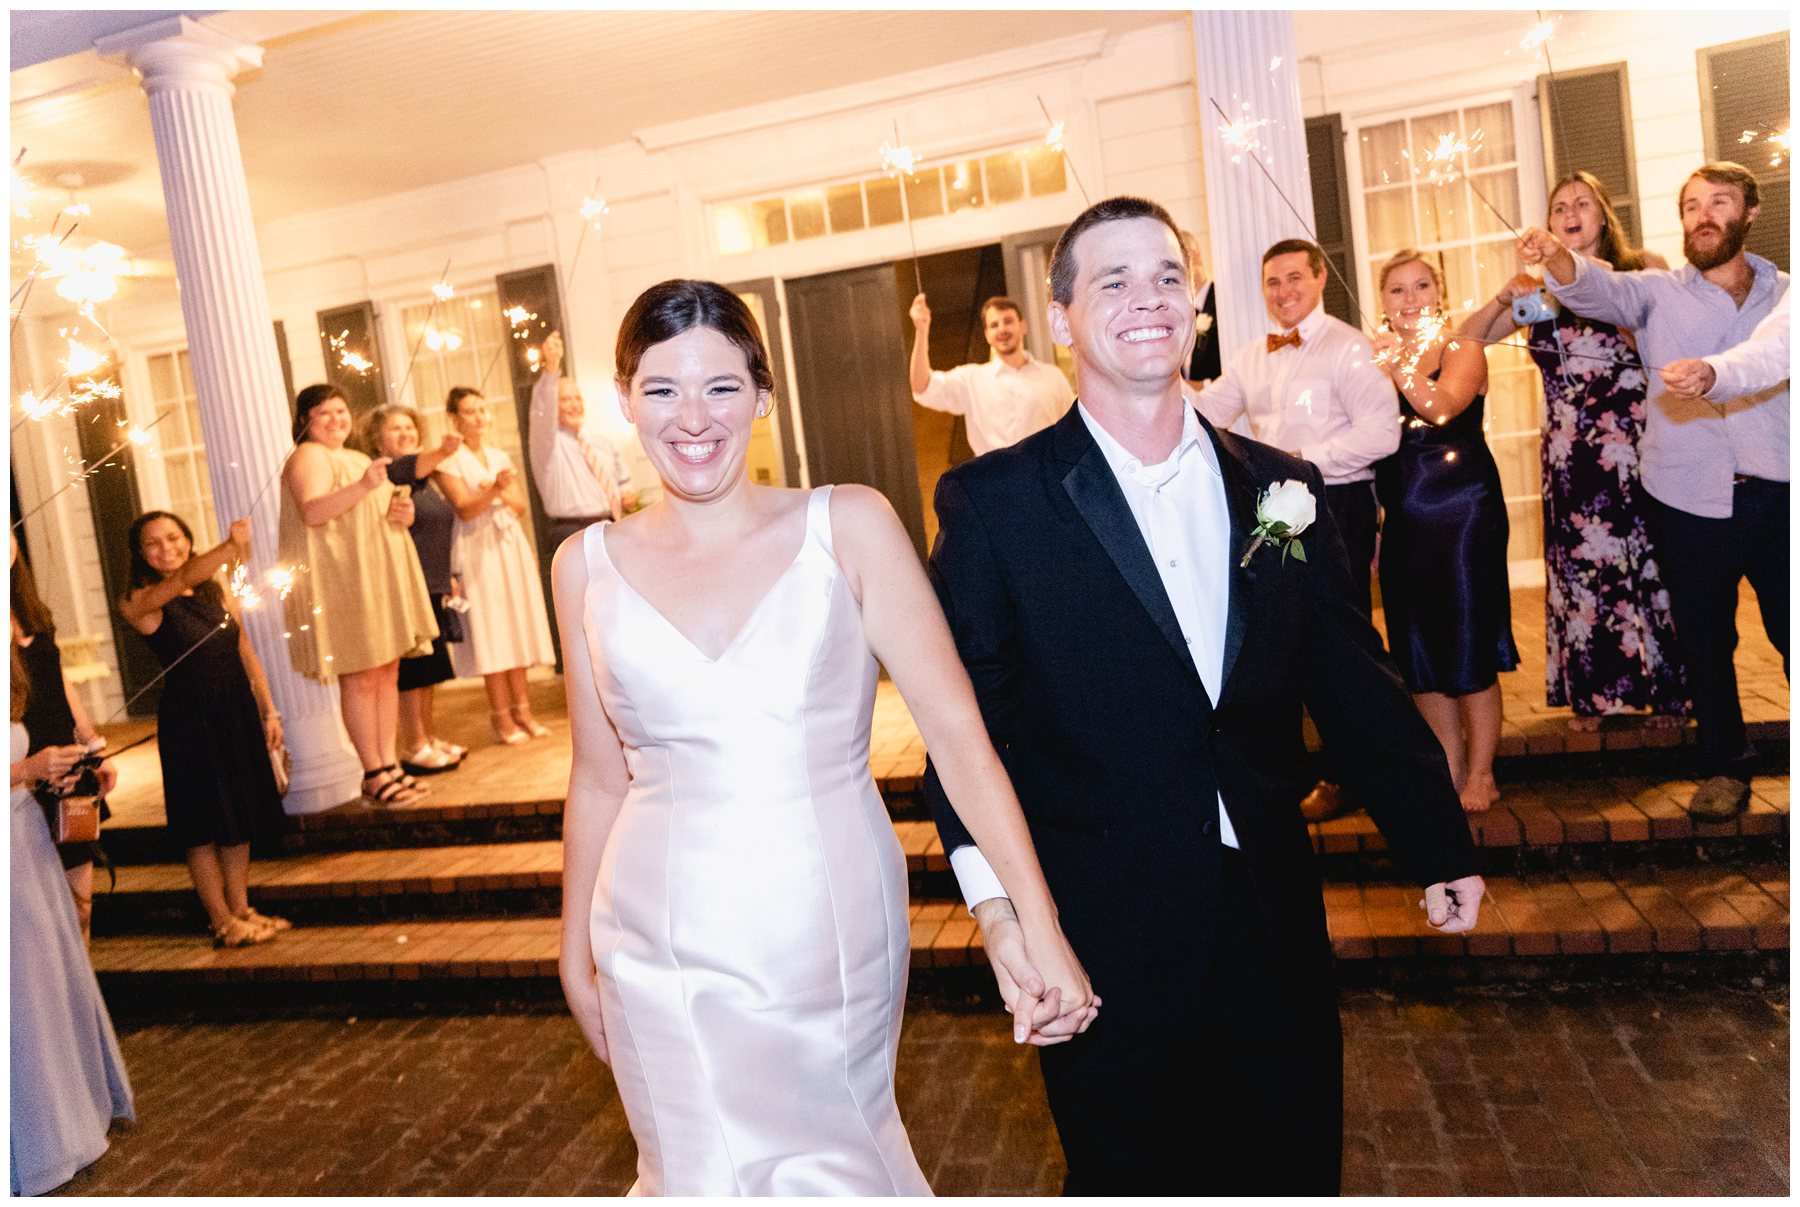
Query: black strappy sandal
x=382, y=790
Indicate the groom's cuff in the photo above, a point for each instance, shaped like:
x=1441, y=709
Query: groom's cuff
x=974, y=877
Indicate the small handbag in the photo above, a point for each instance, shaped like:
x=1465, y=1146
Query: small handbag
x=77, y=819
x=282, y=764
x=453, y=629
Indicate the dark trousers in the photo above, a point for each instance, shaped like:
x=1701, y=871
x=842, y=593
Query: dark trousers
x=1352, y=507
x=1702, y=561
x=562, y=529
x=1240, y=1092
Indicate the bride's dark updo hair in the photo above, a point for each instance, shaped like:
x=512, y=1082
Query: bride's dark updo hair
x=665, y=310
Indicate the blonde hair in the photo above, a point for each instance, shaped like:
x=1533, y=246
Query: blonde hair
x=368, y=432
x=1408, y=255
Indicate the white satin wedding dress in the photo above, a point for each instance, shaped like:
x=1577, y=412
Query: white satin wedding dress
x=750, y=918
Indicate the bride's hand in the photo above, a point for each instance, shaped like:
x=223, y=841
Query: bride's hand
x=581, y=987
x=1069, y=992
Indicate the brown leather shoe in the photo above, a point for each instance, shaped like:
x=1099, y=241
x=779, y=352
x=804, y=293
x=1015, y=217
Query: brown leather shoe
x=1720, y=798
x=1324, y=802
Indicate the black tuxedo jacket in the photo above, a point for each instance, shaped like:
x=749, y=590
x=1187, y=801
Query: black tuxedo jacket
x=1204, y=364
x=1117, y=753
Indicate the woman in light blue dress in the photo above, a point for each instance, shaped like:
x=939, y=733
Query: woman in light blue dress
x=68, y=1079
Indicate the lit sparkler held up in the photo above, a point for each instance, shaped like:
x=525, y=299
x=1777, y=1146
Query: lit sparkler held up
x=899, y=162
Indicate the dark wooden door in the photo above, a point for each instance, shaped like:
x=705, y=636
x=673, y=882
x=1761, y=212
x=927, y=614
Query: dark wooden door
x=850, y=370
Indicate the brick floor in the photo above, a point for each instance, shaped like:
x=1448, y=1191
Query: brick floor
x=1578, y=1091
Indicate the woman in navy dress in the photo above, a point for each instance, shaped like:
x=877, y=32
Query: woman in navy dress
x=1609, y=639
x=1443, y=540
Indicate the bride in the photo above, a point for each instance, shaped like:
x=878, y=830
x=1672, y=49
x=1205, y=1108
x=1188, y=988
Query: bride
x=735, y=936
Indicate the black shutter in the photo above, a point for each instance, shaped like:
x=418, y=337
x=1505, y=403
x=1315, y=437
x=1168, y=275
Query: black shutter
x=1744, y=90
x=1586, y=116
x=535, y=291
x=1331, y=212
x=350, y=331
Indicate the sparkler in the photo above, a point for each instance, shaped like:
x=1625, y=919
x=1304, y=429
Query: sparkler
x=439, y=292
x=1054, y=140
x=1349, y=286
x=1449, y=146
x=898, y=161
x=517, y=319
x=347, y=358
x=592, y=208
x=135, y=436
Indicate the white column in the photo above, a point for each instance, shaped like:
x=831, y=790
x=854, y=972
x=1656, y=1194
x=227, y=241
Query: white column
x=187, y=69
x=1244, y=61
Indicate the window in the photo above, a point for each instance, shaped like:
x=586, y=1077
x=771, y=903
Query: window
x=1744, y=110
x=179, y=451
x=1036, y=170
x=462, y=344
x=1451, y=222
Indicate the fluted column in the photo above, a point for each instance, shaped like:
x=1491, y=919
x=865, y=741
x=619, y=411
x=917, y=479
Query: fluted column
x=187, y=68
x=1245, y=62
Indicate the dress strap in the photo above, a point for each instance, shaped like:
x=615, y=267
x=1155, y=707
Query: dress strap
x=593, y=548
x=818, y=517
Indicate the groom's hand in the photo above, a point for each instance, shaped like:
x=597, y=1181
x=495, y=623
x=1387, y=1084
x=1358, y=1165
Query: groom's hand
x=1453, y=907
x=1037, y=1017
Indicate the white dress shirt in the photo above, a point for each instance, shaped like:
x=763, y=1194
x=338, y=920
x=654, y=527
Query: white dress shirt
x=1181, y=512
x=1326, y=401
x=1760, y=362
x=1003, y=405
x=565, y=482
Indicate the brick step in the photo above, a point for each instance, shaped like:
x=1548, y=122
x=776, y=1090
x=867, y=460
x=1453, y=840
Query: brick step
x=1631, y=822
x=1533, y=922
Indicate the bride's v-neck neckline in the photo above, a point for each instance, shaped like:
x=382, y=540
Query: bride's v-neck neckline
x=749, y=620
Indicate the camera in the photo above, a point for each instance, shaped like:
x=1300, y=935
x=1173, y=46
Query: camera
x=1532, y=308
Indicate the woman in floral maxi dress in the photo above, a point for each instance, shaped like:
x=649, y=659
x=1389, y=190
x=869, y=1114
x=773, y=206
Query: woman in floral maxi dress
x=1609, y=641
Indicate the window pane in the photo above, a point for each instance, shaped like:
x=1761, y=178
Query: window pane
x=1501, y=191
x=1005, y=177
x=732, y=229
x=1495, y=122
x=769, y=218
x=1044, y=168
x=925, y=193
x=162, y=380
x=1390, y=219
x=1443, y=215
x=884, y=201
x=1382, y=162
x=187, y=374
x=1495, y=264
x=1458, y=266
x=844, y=202
x=962, y=181
x=807, y=213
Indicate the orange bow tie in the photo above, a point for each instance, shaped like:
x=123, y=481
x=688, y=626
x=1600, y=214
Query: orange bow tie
x=1278, y=342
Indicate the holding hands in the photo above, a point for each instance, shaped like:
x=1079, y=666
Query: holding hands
x=1046, y=1010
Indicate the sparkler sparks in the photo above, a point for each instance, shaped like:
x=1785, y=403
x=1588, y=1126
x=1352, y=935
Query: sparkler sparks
x=898, y=160
x=1240, y=135
x=82, y=359
x=592, y=209
x=443, y=291
x=517, y=317
x=1540, y=34
x=1053, y=137
x=347, y=357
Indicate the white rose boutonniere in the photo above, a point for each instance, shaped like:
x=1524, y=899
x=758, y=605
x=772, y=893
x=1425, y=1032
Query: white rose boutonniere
x=1284, y=511
x=1202, y=323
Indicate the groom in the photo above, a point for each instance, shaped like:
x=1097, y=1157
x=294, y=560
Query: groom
x=1141, y=669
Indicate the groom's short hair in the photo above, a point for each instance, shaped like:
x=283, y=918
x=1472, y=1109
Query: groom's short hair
x=1113, y=209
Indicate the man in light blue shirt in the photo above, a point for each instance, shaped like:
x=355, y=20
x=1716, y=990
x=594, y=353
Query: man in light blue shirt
x=1716, y=469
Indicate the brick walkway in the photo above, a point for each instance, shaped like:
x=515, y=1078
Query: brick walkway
x=1591, y=1091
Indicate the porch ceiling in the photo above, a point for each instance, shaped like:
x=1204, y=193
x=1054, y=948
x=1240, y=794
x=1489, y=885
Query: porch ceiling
x=351, y=106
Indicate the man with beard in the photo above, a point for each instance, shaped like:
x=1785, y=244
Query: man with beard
x=1005, y=398
x=1716, y=468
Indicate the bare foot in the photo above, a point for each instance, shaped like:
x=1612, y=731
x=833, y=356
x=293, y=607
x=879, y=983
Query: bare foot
x=1585, y=724
x=1479, y=794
